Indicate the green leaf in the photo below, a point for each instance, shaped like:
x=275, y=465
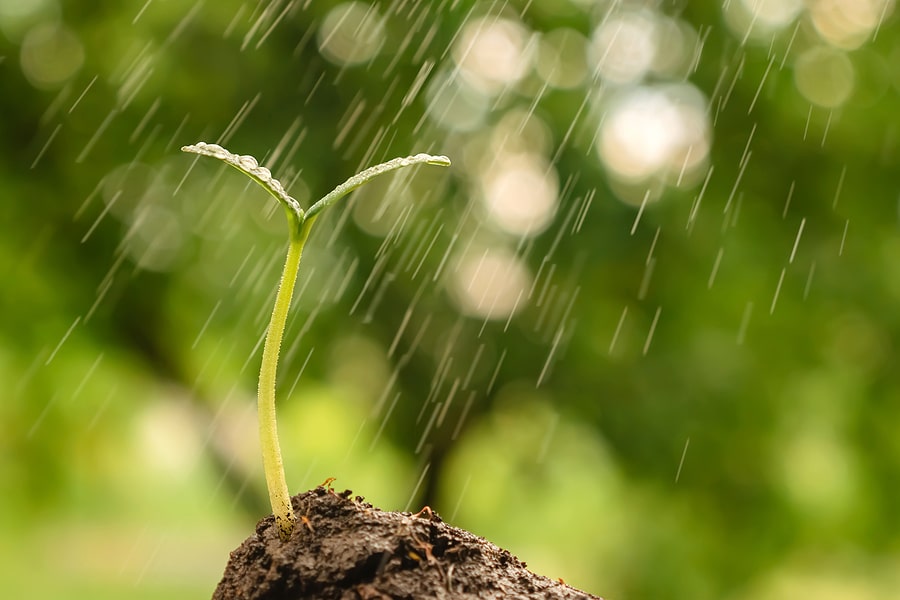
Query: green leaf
x=249, y=166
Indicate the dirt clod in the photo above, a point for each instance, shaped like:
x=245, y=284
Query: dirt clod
x=353, y=551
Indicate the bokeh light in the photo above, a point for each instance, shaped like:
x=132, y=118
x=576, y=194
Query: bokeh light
x=492, y=283
x=492, y=53
x=520, y=193
x=51, y=54
x=624, y=46
x=774, y=14
x=678, y=47
x=561, y=59
x=454, y=104
x=759, y=19
x=658, y=131
x=168, y=439
x=631, y=45
x=843, y=24
x=824, y=76
x=18, y=16
x=848, y=23
x=352, y=33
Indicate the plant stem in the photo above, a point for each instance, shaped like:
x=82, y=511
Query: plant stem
x=300, y=223
x=268, y=429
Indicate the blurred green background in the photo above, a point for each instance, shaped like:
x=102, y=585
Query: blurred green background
x=642, y=332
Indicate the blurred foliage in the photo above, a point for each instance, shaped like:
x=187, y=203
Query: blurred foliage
x=693, y=394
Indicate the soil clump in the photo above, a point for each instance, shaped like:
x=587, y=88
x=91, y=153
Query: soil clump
x=343, y=548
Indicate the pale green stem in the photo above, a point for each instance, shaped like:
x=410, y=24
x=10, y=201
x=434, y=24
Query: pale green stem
x=268, y=429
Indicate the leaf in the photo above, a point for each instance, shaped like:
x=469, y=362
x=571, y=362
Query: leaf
x=249, y=166
x=372, y=172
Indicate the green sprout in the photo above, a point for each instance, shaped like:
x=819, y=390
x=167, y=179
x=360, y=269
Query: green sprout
x=300, y=223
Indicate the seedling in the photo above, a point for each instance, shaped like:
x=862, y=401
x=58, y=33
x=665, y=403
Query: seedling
x=300, y=223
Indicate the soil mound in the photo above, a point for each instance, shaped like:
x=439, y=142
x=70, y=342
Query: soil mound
x=344, y=548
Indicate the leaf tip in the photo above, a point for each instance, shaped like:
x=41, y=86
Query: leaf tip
x=440, y=161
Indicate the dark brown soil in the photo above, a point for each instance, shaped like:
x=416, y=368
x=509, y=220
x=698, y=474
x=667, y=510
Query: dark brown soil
x=343, y=548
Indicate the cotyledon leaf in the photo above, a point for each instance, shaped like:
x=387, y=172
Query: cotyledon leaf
x=372, y=172
x=249, y=166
